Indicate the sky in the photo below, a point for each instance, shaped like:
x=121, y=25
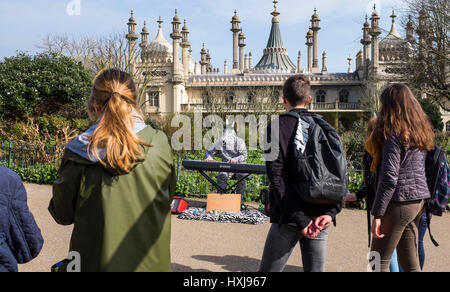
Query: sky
x=25, y=23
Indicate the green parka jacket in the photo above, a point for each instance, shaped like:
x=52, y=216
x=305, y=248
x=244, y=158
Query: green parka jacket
x=121, y=222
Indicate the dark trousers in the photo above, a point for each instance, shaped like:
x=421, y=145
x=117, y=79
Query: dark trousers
x=222, y=181
x=282, y=240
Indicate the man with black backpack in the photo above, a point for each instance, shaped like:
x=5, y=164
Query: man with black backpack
x=308, y=182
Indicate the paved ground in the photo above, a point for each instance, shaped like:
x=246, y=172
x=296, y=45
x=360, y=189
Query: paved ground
x=219, y=247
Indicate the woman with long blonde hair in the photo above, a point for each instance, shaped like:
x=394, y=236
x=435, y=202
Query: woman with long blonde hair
x=404, y=134
x=116, y=184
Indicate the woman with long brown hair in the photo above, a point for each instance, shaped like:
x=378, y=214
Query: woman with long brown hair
x=116, y=183
x=403, y=134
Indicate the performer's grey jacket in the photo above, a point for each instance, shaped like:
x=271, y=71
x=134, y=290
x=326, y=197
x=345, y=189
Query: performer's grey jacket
x=230, y=146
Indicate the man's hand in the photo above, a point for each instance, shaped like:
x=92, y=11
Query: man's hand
x=323, y=222
x=310, y=231
x=209, y=159
x=233, y=161
x=376, y=228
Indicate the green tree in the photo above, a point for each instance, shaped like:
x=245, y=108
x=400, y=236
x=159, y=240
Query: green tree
x=434, y=114
x=46, y=83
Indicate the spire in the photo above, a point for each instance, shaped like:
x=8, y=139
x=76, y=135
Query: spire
x=350, y=69
x=160, y=36
x=275, y=40
x=394, y=31
x=275, y=58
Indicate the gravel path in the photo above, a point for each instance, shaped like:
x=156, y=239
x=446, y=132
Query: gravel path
x=219, y=247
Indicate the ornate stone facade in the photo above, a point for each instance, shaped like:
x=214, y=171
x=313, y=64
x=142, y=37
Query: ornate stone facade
x=183, y=86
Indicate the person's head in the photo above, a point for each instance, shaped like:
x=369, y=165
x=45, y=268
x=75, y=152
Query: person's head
x=296, y=92
x=402, y=115
x=112, y=102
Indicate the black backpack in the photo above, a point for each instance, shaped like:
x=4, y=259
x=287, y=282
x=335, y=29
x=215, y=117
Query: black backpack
x=438, y=179
x=319, y=174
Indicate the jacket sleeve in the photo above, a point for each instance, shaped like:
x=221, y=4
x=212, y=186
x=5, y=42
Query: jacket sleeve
x=242, y=151
x=388, y=176
x=275, y=173
x=26, y=236
x=65, y=193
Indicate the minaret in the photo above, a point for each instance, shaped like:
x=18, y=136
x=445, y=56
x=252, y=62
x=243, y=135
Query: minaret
x=208, y=61
x=177, y=78
x=241, y=51
x=144, y=36
x=410, y=31
x=365, y=41
x=350, y=67
x=246, y=63
x=375, y=32
x=309, y=43
x=132, y=37
x=235, y=29
x=185, y=45
x=315, y=27
x=203, y=61
x=299, y=62
x=324, y=63
x=225, y=68
x=422, y=31
x=250, y=61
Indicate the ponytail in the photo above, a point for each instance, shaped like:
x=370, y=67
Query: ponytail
x=114, y=100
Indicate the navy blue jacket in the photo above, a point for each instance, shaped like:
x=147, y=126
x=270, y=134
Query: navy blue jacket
x=20, y=237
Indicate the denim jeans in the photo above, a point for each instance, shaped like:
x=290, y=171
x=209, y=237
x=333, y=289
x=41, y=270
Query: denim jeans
x=280, y=243
x=422, y=231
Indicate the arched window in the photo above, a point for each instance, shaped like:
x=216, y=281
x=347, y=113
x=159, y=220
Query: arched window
x=344, y=95
x=321, y=96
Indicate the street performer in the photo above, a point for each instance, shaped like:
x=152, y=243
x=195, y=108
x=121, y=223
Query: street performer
x=231, y=149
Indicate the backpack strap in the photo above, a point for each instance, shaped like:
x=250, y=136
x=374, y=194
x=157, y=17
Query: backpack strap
x=369, y=225
x=429, y=229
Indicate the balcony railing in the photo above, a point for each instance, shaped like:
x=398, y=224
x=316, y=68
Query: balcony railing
x=245, y=107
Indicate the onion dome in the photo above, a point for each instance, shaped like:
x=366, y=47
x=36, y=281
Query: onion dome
x=393, y=46
x=159, y=50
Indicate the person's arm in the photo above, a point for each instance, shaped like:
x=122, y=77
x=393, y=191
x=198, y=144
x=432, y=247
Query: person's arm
x=213, y=150
x=388, y=179
x=242, y=151
x=25, y=234
x=65, y=193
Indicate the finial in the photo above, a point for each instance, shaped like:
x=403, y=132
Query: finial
x=176, y=11
x=275, y=13
x=160, y=22
x=235, y=12
x=393, y=16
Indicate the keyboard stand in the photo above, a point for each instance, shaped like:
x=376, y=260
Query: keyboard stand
x=230, y=189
